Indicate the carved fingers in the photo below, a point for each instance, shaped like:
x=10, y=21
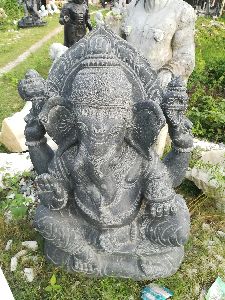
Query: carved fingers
x=174, y=106
x=51, y=192
x=34, y=130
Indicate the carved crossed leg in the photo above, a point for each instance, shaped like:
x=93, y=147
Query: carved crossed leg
x=167, y=221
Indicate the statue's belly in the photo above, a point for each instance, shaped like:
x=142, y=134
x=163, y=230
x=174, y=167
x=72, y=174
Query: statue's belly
x=122, y=209
x=115, y=199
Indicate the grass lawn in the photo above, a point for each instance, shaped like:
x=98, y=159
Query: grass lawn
x=10, y=102
x=13, y=43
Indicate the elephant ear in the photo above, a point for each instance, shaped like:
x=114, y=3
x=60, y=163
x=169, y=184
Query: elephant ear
x=148, y=120
x=58, y=120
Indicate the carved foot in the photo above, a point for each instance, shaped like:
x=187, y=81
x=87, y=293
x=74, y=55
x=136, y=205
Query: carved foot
x=51, y=192
x=171, y=229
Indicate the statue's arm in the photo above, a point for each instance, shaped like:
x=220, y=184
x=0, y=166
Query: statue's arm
x=40, y=152
x=33, y=88
x=88, y=20
x=183, y=46
x=174, y=106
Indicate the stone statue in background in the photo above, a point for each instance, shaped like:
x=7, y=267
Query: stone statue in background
x=107, y=203
x=162, y=31
x=75, y=18
x=32, y=17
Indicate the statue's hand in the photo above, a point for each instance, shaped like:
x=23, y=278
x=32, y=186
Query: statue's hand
x=181, y=135
x=162, y=209
x=174, y=105
x=32, y=86
x=51, y=192
x=164, y=77
x=34, y=130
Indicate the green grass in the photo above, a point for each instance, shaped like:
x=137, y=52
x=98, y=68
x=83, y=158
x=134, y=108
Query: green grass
x=10, y=101
x=15, y=42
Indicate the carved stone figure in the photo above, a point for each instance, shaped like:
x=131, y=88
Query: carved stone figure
x=107, y=203
x=32, y=17
x=75, y=18
x=163, y=31
x=208, y=7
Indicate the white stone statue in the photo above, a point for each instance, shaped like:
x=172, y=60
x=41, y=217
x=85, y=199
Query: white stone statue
x=163, y=31
x=99, y=19
x=43, y=12
x=114, y=18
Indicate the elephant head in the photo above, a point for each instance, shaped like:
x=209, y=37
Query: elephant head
x=102, y=113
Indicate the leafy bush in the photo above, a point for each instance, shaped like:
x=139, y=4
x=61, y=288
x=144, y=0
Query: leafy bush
x=206, y=84
x=11, y=8
x=208, y=117
x=11, y=198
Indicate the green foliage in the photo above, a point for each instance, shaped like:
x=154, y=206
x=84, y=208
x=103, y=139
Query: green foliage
x=206, y=84
x=10, y=100
x=208, y=117
x=216, y=171
x=53, y=288
x=13, y=11
x=10, y=197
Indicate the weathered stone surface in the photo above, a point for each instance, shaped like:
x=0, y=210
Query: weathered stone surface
x=29, y=274
x=57, y=50
x=163, y=31
x=32, y=245
x=13, y=264
x=108, y=206
x=206, y=177
x=114, y=18
x=8, y=245
x=15, y=258
x=32, y=17
x=12, y=134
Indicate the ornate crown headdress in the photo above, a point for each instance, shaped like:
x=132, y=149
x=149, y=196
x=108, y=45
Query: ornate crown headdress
x=103, y=70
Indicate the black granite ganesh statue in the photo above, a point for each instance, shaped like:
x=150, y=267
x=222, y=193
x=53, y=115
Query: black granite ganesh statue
x=107, y=203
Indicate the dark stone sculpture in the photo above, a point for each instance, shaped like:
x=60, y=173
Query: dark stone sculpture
x=107, y=203
x=75, y=18
x=213, y=8
x=31, y=18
